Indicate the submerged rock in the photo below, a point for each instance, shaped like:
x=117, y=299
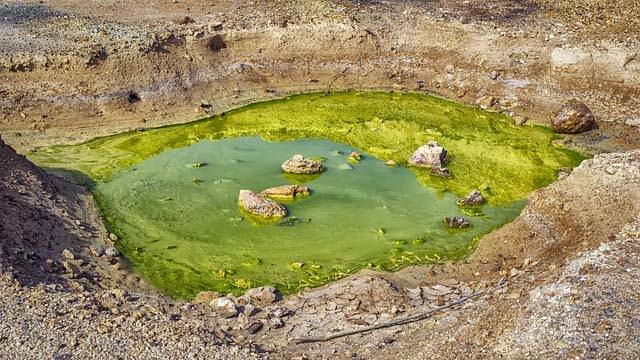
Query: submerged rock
x=260, y=205
x=299, y=165
x=456, y=222
x=345, y=167
x=287, y=192
x=574, y=117
x=431, y=155
x=474, y=198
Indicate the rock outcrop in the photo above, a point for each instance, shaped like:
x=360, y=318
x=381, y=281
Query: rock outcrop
x=286, y=192
x=299, y=165
x=260, y=205
x=574, y=117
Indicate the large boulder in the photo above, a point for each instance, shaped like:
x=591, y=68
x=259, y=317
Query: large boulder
x=430, y=155
x=260, y=205
x=286, y=192
x=574, y=117
x=299, y=165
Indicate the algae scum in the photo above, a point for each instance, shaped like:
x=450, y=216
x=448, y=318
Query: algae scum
x=171, y=193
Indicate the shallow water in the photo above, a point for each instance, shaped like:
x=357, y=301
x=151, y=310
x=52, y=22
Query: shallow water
x=188, y=236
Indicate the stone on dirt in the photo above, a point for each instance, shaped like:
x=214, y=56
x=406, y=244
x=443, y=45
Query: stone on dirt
x=254, y=327
x=299, y=165
x=260, y=205
x=111, y=251
x=287, y=192
x=225, y=307
x=206, y=296
x=487, y=102
x=574, y=117
x=457, y=222
x=216, y=43
x=264, y=295
x=67, y=254
x=474, y=198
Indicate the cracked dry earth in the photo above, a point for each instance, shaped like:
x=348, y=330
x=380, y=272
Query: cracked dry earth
x=567, y=267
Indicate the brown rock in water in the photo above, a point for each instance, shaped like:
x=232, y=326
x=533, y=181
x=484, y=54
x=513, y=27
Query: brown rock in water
x=286, y=192
x=456, y=222
x=574, y=117
x=259, y=205
x=299, y=165
x=474, y=198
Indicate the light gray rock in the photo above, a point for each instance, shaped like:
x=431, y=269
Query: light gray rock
x=225, y=307
x=430, y=155
x=260, y=205
x=299, y=165
x=111, y=251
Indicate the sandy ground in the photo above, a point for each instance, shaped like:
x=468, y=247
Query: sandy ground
x=73, y=70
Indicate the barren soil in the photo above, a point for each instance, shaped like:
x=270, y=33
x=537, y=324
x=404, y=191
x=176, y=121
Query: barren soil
x=74, y=70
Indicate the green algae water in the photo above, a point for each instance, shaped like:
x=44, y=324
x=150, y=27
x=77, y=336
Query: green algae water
x=181, y=227
x=190, y=236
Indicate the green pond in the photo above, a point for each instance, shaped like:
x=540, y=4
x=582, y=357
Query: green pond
x=181, y=228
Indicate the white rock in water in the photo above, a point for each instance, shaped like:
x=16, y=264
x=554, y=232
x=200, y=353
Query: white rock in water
x=299, y=165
